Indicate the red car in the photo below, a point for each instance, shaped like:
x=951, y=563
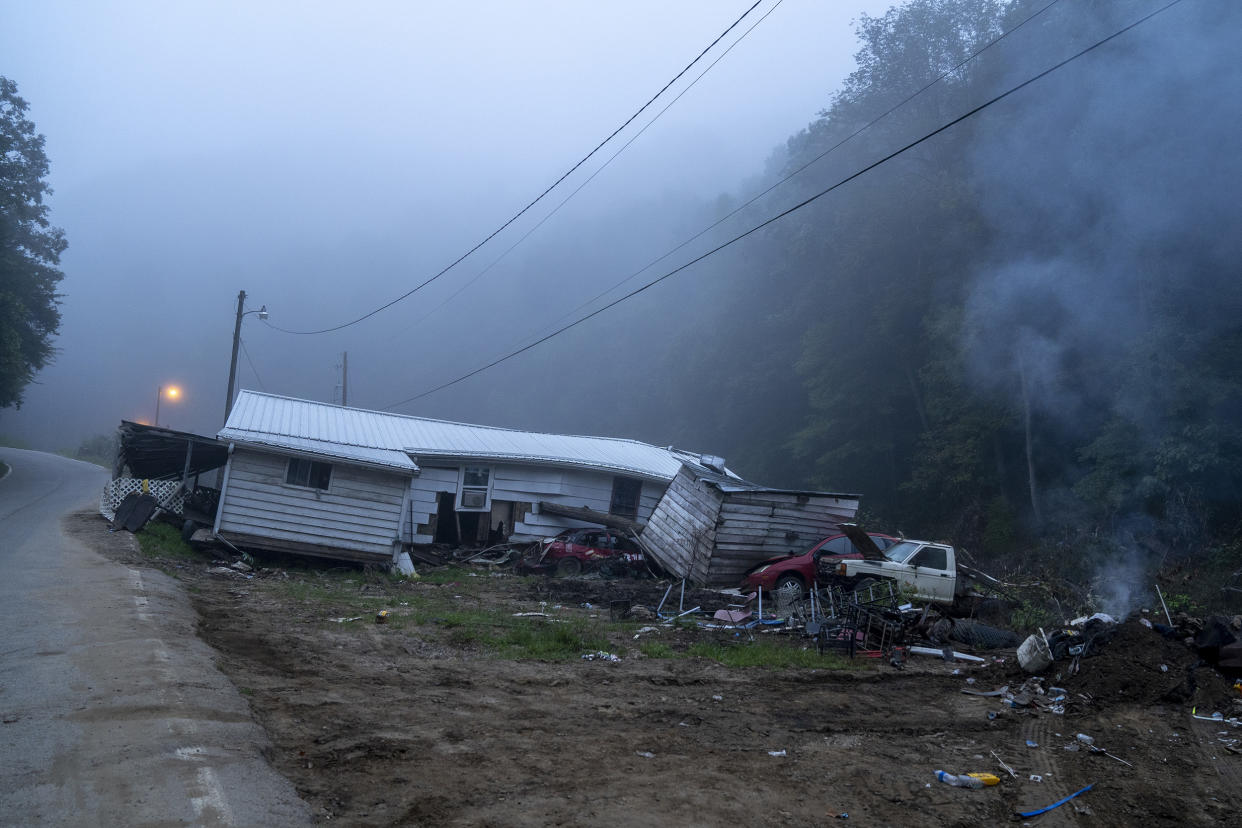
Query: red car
x=574, y=550
x=799, y=570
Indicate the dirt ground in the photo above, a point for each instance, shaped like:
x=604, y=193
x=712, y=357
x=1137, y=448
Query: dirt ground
x=412, y=722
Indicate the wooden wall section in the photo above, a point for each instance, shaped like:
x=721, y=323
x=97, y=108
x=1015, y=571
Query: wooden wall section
x=681, y=532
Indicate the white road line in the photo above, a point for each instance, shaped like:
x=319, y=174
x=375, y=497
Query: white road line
x=210, y=796
x=213, y=797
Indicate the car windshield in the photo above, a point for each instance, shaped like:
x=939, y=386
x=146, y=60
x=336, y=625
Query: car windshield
x=901, y=550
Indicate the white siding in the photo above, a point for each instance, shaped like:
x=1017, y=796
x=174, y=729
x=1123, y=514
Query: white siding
x=360, y=511
x=513, y=483
x=424, y=489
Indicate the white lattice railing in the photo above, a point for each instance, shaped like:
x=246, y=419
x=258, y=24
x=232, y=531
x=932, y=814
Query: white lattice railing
x=168, y=493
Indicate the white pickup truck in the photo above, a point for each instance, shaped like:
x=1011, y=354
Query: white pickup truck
x=929, y=568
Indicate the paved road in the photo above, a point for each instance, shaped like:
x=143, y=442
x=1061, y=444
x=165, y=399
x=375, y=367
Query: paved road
x=113, y=711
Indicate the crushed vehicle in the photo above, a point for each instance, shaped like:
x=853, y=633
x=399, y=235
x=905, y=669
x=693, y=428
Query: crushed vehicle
x=799, y=571
x=930, y=570
x=574, y=551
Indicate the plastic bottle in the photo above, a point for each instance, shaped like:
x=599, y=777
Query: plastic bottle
x=1085, y=739
x=960, y=780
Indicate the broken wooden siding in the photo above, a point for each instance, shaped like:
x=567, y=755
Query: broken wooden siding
x=421, y=508
x=360, y=512
x=525, y=484
x=753, y=526
x=567, y=487
x=681, y=532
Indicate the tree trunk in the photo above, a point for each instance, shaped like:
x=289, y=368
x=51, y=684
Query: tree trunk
x=1030, y=451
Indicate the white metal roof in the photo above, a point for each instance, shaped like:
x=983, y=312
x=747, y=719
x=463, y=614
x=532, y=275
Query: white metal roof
x=382, y=438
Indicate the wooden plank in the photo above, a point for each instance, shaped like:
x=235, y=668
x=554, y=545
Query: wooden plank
x=310, y=538
x=439, y=473
x=296, y=499
x=285, y=524
x=591, y=515
x=257, y=509
x=423, y=496
x=734, y=508
x=248, y=541
x=509, y=471
x=355, y=476
x=393, y=492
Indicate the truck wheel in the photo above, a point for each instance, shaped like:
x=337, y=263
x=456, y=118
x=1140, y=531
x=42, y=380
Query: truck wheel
x=568, y=566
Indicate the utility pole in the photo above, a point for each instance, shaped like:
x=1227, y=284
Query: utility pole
x=228, y=402
x=345, y=379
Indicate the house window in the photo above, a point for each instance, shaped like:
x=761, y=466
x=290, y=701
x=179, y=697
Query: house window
x=474, y=491
x=626, y=494
x=309, y=474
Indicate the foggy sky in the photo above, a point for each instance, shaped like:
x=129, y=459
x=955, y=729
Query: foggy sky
x=326, y=159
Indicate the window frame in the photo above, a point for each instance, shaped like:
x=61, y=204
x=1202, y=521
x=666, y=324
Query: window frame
x=310, y=476
x=463, y=489
x=620, y=480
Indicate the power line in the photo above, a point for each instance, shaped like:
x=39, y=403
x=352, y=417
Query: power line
x=926, y=137
x=538, y=198
x=250, y=362
x=800, y=169
x=599, y=170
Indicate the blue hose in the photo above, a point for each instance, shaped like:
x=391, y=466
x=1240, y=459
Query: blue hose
x=1055, y=804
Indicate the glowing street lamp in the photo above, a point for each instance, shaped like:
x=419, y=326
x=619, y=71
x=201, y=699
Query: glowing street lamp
x=172, y=392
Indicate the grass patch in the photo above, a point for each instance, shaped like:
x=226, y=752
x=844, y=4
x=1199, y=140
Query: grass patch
x=512, y=638
x=553, y=642
x=657, y=649
x=159, y=540
x=766, y=654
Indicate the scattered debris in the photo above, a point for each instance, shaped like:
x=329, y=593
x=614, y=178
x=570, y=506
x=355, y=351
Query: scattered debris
x=968, y=780
x=1005, y=767
x=946, y=654
x=381, y=617
x=776, y=752
x=600, y=655
x=1054, y=805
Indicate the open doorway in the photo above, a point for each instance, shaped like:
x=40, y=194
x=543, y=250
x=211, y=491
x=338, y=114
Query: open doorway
x=446, y=519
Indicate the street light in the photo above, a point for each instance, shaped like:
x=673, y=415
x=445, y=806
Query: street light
x=173, y=392
x=262, y=312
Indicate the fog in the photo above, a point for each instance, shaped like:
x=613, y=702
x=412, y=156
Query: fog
x=326, y=160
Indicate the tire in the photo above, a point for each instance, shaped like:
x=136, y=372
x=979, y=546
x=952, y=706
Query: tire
x=974, y=634
x=790, y=583
x=566, y=567
x=188, y=529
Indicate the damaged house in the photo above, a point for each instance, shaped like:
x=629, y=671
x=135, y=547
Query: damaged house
x=319, y=479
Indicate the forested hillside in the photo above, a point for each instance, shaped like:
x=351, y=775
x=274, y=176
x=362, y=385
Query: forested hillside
x=1023, y=333
x=1030, y=321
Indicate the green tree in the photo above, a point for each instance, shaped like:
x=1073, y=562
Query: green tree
x=30, y=249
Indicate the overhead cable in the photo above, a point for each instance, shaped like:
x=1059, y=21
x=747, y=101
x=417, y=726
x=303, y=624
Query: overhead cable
x=956, y=67
x=537, y=199
x=599, y=170
x=250, y=362
x=917, y=142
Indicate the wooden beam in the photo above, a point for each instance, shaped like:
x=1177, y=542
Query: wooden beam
x=590, y=515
